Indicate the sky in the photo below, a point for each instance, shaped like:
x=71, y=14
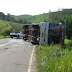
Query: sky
x=32, y=7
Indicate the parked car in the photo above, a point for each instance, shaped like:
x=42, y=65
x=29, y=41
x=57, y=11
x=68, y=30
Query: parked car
x=16, y=34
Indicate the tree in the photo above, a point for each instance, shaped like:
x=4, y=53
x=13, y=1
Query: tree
x=2, y=16
x=10, y=18
x=20, y=21
x=67, y=20
x=69, y=27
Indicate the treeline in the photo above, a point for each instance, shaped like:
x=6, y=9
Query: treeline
x=6, y=17
x=11, y=18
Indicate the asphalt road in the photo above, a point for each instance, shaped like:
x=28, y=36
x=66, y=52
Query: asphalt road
x=15, y=56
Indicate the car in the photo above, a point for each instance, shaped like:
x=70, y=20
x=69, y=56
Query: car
x=16, y=34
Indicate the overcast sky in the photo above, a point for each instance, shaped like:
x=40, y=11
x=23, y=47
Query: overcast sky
x=32, y=7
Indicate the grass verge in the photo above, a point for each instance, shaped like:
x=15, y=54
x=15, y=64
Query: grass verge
x=68, y=42
x=54, y=58
x=2, y=37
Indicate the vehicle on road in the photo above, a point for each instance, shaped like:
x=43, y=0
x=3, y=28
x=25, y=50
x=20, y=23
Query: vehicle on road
x=16, y=34
x=44, y=33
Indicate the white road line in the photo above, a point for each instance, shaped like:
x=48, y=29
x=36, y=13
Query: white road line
x=5, y=44
x=30, y=62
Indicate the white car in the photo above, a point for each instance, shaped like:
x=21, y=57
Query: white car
x=16, y=34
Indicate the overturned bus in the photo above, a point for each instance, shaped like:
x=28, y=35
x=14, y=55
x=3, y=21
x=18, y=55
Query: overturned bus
x=44, y=33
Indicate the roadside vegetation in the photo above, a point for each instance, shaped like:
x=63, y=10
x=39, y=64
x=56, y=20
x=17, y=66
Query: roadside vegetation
x=68, y=42
x=55, y=58
x=2, y=37
x=7, y=27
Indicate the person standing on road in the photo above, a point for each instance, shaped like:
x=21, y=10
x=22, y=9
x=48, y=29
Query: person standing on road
x=5, y=35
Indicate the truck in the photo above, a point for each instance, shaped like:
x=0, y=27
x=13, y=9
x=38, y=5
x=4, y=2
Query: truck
x=17, y=34
x=44, y=33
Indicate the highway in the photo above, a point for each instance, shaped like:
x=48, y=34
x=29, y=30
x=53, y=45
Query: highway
x=16, y=55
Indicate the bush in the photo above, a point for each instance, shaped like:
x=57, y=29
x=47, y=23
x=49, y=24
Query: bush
x=6, y=30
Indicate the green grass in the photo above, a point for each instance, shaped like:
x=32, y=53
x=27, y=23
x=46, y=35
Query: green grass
x=8, y=37
x=2, y=37
x=68, y=42
x=54, y=58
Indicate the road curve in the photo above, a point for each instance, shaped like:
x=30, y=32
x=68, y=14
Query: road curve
x=15, y=55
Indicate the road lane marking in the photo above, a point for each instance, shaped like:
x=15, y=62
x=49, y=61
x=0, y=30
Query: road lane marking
x=5, y=44
x=30, y=62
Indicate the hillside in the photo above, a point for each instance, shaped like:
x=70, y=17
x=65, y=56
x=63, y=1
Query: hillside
x=16, y=26
x=41, y=17
x=48, y=17
x=32, y=19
